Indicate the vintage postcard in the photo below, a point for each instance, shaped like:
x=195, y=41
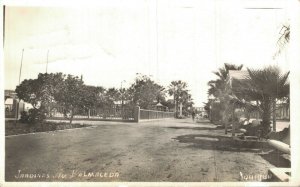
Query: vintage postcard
x=152, y=92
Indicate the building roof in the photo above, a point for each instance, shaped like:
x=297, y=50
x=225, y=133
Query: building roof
x=9, y=101
x=238, y=74
x=159, y=104
x=10, y=94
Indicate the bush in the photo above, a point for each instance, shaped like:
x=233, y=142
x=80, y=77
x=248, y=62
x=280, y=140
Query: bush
x=36, y=115
x=180, y=117
x=24, y=117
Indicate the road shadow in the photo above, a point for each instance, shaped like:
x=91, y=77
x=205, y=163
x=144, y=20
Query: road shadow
x=194, y=128
x=222, y=143
x=194, y=122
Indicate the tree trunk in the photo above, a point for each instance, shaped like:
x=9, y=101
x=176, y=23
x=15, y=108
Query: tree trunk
x=42, y=124
x=225, y=120
x=233, y=121
x=274, y=114
x=175, y=107
x=266, y=116
x=71, y=116
x=233, y=128
x=225, y=114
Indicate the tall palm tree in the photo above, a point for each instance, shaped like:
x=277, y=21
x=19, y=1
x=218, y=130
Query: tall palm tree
x=265, y=86
x=216, y=87
x=178, y=89
x=220, y=90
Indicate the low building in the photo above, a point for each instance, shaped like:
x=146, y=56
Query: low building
x=201, y=111
x=12, y=104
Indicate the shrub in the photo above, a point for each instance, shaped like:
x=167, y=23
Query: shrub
x=24, y=117
x=36, y=115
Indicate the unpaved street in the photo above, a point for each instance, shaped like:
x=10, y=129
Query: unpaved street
x=165, y=150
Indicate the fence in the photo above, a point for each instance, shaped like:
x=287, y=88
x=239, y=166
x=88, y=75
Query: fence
x=134, y=114
x=111, y=113
x=282, y=112
x=153, y=114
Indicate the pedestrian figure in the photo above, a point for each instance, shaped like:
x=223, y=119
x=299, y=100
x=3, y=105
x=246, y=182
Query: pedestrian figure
x=193, y=115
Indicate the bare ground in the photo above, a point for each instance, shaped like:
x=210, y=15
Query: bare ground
x=166, y=150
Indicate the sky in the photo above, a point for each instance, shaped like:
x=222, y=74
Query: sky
x=166, y=39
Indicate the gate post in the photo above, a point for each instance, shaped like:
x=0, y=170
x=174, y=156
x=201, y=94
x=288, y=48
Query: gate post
x=136, y=114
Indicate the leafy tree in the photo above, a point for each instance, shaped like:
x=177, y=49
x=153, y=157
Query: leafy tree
x=71, y=96
x=93, y=96
x=112, y=94
x=124, y=95
x=28, y=91
x=168, y=103
x=40, y=92
x=145, y=92
x=51, y=83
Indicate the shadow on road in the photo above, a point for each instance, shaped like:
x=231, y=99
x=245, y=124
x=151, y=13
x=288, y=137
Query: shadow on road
x=223, y=143
x=194, y=128
x=198, y=122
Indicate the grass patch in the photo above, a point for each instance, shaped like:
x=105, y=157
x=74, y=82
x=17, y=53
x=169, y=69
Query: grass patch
x=12, y=128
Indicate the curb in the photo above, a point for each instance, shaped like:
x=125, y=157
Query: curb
x=34, y=133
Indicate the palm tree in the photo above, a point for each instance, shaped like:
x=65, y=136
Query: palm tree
x=265, y=86
x=217, y=87
x=178, y=89
x=220, y=90
x=283, y=40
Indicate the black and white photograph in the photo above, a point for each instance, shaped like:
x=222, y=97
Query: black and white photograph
x=134, y=92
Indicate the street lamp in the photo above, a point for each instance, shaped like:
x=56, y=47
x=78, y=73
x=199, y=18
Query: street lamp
x=122, y=92
x=122, y=99
x=122, y=83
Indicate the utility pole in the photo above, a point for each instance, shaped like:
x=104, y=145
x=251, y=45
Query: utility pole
x=47, y=61
x=21, y=66
x=18, y=102
x=175, y=103
x=122, y=92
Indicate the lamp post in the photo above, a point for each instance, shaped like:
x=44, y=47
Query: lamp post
x=122, y=99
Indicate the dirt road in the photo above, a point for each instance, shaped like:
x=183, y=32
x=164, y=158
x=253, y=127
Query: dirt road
x=166, y=150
